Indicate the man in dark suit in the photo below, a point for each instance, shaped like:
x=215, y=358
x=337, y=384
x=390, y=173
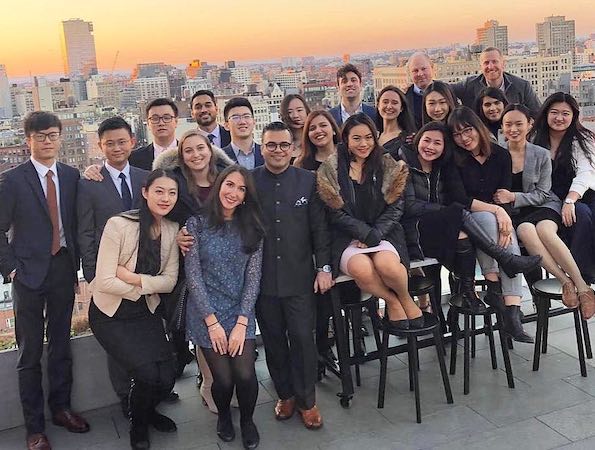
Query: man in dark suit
x=349, y=81
x=204, y=110
x=162, y=120
x=239, y=121
x=421, y=73
x=41, y=260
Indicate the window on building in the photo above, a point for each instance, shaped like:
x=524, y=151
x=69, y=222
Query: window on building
x=10, y=323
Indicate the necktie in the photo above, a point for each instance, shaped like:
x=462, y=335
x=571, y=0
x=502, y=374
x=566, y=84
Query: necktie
x=126, y=195
x=53, y=209
x=211, y=138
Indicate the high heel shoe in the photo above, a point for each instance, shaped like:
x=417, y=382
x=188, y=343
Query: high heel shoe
x=402, y=324
x=418, y=322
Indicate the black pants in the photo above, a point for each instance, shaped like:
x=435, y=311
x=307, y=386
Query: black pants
x=287, y=327
x=324, y=311
x=56, y=297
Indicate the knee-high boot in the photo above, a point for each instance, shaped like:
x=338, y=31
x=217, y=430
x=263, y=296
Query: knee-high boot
x=465, y=272
x=140, y=404
x=510, y=263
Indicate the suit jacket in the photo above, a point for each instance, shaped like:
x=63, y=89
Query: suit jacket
x=369, y=111
x=24, y=216
x=119, y=247
x=143, y=157
x=258, y=159
x=415, y=106
x=225, y=136
x=96, y=203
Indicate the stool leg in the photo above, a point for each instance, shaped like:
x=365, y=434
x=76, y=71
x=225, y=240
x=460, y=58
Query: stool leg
x=579, y=341
x=539, y=332
x=546, y=325
x=487, y=318
x=440, y=353
x=587, y=338
x=383, y=368
x=454, y=329
x=506, y=356
x=373, y=312
x=412, y=341
x=466, y=354
x=473, y=337
x=410, y=362
x=342, y=343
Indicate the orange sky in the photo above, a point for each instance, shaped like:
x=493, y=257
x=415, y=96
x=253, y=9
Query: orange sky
x=177, y=31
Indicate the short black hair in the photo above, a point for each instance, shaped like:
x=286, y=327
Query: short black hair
x=234, y=103
x=40, y=120
x=275, y=126
x=162, y=102
x=203, y=92
x=344, y=70
x=113, y=123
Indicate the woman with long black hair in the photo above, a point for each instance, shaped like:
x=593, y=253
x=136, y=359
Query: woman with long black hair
x=489, y=106
x=223, y=271
x=395, y=120
x=137, y=261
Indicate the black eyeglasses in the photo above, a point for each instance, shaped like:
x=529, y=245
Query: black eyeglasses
x=41, y=137
x=272, y=146
x=166, y=118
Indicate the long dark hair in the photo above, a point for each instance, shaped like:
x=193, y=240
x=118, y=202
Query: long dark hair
x=444, y=90
x=247, y=216
x=463, y=117
x=584, y=137
x=373, y=163
x=405, y=117
x=212, y=169
x=308, y=155
x=493, y=93
x=284, y=107
x=149, y=257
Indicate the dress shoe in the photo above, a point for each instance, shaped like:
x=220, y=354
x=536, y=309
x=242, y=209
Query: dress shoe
x=569, y=295
x=172, y=397
x=402, y=324
x=311, y=418
x=139, y=437
x=587, y=301
x=225, y=429
x=284, y=408
x=250, y=436
x=38, y=441
x=418, y=322
x=71, y=421
x=162, y=423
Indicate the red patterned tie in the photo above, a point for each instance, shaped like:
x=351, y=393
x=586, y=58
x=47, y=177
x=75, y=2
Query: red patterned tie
x=53, y=208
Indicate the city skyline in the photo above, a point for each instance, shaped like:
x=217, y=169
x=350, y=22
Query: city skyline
x=244, y=31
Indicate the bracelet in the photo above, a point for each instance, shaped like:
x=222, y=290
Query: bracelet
x=242, y=324
x=213, y=324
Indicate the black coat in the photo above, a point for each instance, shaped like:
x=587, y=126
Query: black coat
x=386, y=207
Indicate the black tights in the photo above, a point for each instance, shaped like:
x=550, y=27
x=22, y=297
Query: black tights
x=233, y=372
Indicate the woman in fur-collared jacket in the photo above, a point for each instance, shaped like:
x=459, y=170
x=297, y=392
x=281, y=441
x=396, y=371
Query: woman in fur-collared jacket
x=363, y=190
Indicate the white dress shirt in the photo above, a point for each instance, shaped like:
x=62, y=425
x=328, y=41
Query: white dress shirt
x=41, y=173
x=158, y=150
x=115, y=174
x=345, y=115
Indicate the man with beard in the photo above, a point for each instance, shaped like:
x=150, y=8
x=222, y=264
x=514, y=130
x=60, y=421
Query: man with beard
x=204, y=111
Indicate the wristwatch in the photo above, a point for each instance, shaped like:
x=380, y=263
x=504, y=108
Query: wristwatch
x=326, y=269
x=569, y=201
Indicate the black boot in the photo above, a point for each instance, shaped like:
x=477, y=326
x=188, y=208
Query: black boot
x=494, y=298
x=464, y=271
x=250, y=436
x=513, y=325
x=511, y=264
x=225, y=429
x=139, y=405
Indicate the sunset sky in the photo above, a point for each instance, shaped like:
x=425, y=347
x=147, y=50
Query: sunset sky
x=178, y=31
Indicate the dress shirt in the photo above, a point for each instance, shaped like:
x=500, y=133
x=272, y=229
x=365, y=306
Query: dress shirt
x=245, y=160
x=115, y=174
x=345, y=115
x=42, y=172
x=216, y=133
x=418, y=90
x=159, y=150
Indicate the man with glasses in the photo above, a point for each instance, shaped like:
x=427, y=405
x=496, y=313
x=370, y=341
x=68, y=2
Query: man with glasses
x=162, y=119
x=239, y=121
x=40, y=257
x=286, y=308
x=204, y=111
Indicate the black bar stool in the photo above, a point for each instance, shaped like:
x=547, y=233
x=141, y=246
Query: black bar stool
x=544, y=291
x=431, y=326
x=469, y=333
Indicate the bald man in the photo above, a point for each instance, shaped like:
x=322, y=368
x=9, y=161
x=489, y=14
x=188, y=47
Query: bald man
x=421, y=73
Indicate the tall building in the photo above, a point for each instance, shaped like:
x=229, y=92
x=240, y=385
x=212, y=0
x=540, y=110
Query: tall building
x=78, y=48
x=5, y=103
x=151, y=88
x=492, y=34
x=555, y=36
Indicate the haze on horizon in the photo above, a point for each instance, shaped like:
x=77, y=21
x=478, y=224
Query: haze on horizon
x=179, y=31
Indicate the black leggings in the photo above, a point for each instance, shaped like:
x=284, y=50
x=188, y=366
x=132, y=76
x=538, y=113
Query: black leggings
x=233, y=372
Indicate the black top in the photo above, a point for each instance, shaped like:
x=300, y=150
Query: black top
x=311, y=164
x=395, y=144
x=517, y=182
x=562, y=177
x=363, y=198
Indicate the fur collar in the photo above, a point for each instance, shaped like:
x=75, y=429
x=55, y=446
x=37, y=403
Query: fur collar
x=393, y=181
x=168, y=160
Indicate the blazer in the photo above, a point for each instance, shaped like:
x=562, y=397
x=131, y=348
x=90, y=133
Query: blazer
x=143, y=157
x=119, y=247
x=537, y=180
x=258, y=159
x=225, y=136
x=415, y=106
x=26, y=227
x=96, y=203
x=368, y=110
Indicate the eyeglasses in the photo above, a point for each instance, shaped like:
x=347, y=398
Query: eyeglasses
x=165, y=119
x=41, y=137
x=240, y=117
x=110, y=145
x=272, y=146
x=465, y=132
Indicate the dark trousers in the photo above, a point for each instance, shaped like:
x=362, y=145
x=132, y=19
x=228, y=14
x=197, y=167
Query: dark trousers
x=287, y=328
x=52, y=301
x=580, y=238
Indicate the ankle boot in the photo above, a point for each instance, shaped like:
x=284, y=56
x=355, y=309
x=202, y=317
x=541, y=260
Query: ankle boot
x=493, y=296
x=225, y=429
x=467, y=298
x=511, y=264
x=139, y=404
x=513, y=325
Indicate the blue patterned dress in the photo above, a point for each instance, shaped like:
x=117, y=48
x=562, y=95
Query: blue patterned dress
x=221, y=280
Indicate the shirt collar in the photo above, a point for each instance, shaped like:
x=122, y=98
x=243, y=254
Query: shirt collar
x=358, y=110
x=237, y=150
x=418, y=90
x=42, y=170
x=502, y=87
x=115, y=173
x=159, y=149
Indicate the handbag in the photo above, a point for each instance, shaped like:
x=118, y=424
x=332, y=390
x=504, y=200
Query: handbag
x=177, y=320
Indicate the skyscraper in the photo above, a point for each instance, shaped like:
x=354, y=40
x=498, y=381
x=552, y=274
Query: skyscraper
x=5, y=103
x=78, y=48
x=492, y=34
x=555, y=36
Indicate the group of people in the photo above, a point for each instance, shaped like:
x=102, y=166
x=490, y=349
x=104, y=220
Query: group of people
x=198, y=238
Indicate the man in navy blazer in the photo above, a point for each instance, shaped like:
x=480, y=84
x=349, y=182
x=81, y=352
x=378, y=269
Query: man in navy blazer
x=38, y=254
x=349, y=81
x=204, y=110
x=239, y=121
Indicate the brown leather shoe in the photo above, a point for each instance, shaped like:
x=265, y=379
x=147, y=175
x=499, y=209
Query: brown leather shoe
x=71, y=421
x=569, y=296
x=38, y=441
x=587, y=300
x=284, y=408
x=311, y=418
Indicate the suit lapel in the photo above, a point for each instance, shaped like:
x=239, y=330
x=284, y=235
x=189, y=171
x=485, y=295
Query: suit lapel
x=258, y=159
x=33, y=179
x=108, y=184
x=65, y=206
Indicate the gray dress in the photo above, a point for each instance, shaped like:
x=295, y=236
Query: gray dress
x=221, y=280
